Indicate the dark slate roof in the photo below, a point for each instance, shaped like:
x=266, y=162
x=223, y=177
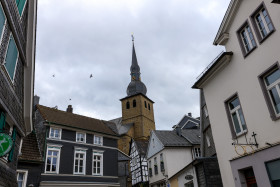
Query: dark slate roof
x=122, y=156
x=59, y=117
x=30, y=150
x=188, y=122
x=171, y=139
x=117, y=126
x=142, y=146
x=192, y=135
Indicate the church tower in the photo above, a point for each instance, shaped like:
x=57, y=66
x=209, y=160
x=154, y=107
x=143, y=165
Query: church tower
x=137, y=108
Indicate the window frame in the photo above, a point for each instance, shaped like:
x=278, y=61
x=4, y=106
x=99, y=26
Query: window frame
x=205, y=111
x=267, y=169
x=12, y=79
x=155, y=165
x=240, y=39
x=208, y=140
x=266, y=95
x=55, y=128
x=196, y=152
x=101, y=139
x=101, y=163
x=53, y=148
x=255, y=24
x=25, y=174
x=84, y=152
x=85, y=137
x=230, y=119
x=4, y=25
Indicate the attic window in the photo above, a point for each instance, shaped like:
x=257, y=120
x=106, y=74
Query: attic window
x=127, y=105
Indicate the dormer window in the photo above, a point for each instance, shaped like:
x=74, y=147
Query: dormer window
x=127, y=105
x=55, y=133
x=134, y=103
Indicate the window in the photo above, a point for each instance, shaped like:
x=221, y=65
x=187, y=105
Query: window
x=236, y=117
x=2, y=20
x=11, y=58
x=208, y=140
x=80, y=137
x=149, y=106
x=52, y=159
x=145, y=104
x=20, y=147
x=262, y=22
x=246, y=39
x=98, y=140
x=22, y=177
x=97, y=162
x=134, y=103
x=155, y=166
x=150, y=169
x=205, y=111
x=161, y=162
x=80, y=161
x=55, y=133
x=273, y=168
x=127, y=105
x=20, y=5
x=196, y=151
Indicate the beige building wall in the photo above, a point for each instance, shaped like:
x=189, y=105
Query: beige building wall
x=241, y=76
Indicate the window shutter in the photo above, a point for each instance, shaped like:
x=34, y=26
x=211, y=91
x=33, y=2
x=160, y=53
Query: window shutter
x=20, y=6
x=2, y=121
x=14, y=135
x=11, y=57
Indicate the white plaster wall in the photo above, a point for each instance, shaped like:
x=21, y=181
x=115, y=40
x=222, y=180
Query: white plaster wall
x=154, y=148
x=241, y=76
x=188, y=171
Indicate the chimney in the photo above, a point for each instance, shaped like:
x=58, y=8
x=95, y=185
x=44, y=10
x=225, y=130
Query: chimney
x=178, y=131
x=69, y=109
x=36, y=100
x=190, y=114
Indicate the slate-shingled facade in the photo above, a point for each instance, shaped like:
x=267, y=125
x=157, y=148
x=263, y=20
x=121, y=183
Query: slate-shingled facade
x=17, y=62
x=78, y=150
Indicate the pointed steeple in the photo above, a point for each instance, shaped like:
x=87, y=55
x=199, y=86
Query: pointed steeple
x=135, y=86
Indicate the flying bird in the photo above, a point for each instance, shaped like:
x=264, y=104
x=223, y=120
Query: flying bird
x=90, y=76
x=53, y=75
x=70, y=99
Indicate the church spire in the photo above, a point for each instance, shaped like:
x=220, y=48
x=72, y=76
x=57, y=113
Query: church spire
x=135, y=86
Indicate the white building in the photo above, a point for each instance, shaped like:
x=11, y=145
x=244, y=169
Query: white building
x=169, y=152
x=242, y=93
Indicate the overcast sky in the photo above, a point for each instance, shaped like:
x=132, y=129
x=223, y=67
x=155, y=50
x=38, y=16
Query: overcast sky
x=173, y=41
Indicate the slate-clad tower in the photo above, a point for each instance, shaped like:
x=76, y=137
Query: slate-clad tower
x=137, y=108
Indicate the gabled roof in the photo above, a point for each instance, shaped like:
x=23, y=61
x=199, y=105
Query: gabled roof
x=30, y=150
x=117, y=126
x=222, y=34
x=171, y=139
x=188, y=122
x=142, y=146
x=74, y=120
x=192, y=135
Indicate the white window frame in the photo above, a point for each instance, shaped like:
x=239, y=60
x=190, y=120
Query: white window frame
x=25, y=174
x=264, y=22
x=205, y=111
x=248, y=38
x=78, y=137
x=208, y=140
x=97, y=143
x=196, y=152
x=5, y=56
x=59, y=134
x=20, y=146
x=269, y=87
x=235, y=110
x=80, y=151
x=101, y=163
x=53, y=148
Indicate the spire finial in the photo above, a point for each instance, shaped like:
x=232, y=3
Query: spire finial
x=132, y=36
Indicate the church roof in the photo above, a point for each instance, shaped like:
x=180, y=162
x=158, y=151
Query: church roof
x=142, y=146
x=59, y=117
x=117, y=126
x=136, y=85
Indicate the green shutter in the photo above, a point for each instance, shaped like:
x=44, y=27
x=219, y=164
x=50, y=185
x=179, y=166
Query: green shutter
x=20, y=5
x=14, y=135
x=2, y=121
x=11, y=57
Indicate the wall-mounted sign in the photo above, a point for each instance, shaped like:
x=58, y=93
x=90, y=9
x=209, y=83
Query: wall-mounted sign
x=6, y=144
x=188, y=177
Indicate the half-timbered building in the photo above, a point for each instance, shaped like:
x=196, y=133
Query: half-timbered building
x=138, y=162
